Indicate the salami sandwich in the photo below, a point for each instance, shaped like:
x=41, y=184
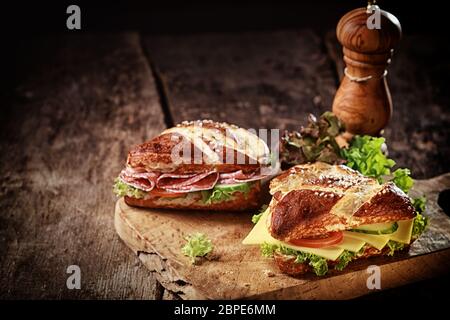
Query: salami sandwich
x=196, y=165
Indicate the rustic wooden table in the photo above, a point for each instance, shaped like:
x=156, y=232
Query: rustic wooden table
x=80, y=101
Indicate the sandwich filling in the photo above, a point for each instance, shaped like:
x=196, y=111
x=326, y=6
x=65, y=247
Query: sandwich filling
x=209, y=187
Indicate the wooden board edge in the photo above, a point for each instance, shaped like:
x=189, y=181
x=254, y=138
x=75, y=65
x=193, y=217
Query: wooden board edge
x=181, y=288
x=152, y=260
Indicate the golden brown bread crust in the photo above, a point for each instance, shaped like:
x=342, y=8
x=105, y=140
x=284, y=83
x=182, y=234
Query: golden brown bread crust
x=156, y=154
x=315, y=199
x=287, y=264
x=301, y=210
x=390, y=204
x=156, y=150
x=320, y=174
x=239, y=202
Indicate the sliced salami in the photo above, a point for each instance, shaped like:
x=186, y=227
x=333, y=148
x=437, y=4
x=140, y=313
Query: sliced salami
x=138, y=178
x=187, y=182
x=240, y=177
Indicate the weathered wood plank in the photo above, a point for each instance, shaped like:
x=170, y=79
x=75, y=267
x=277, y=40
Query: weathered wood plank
x=82, y=102
x=255, y=80
x=419, y=130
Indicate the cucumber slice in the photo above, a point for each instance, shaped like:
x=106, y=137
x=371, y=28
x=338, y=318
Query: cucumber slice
x=377, y=228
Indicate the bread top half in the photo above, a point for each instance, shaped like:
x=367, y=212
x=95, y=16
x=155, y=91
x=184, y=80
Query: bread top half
x=201, y=145
x=312, y=200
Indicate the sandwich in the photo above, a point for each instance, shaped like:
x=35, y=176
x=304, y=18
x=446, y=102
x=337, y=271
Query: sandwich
x=196, y=165
x=324, y=216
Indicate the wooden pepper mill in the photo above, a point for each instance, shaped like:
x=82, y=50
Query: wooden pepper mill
x=363, y=101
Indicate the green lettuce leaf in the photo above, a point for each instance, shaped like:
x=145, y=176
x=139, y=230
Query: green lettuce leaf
x=344, y=259
x=224, y=194
x=403, y=180
x=419, y=225
x=419, y=204
x=198, y=245
x=122, y=189
x=318, y=264
x=365, y=154
x=394, y=246
x=420, y=221
x=267, y=250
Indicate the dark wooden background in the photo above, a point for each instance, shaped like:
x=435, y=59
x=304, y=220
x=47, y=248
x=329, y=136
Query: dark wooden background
x=73, y=103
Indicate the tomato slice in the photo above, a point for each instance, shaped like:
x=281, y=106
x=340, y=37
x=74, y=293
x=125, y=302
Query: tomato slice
x=166, y=194
x=332, y=238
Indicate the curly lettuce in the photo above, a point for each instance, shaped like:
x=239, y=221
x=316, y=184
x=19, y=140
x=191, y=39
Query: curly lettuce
x=344, y=259
x=419, y=204
x=365, y=155
x=318, y=264
x=267, y=249
x=402, y=179
x=419, y=225
x=122, y=189
x=394, y=246
x=420, y=221
x=198, y=245
x=224, y=193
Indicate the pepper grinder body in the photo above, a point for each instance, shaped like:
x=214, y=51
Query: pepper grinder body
x=363, y=101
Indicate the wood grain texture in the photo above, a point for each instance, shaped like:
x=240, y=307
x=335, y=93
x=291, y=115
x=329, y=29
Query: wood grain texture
x=235, y=271
x=255, y=80
x=419, y=130
x=81, y=102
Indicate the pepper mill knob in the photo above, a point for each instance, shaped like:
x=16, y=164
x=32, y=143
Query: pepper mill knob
x=363, y=101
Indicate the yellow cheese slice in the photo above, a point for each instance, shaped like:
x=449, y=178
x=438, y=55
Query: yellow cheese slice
x=351, y=244
x=402, y=235
x=376, y=241
x=260, y=234
x=404, y=231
